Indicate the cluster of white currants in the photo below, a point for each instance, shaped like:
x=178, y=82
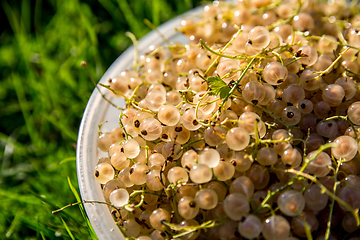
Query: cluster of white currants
x=251, y=131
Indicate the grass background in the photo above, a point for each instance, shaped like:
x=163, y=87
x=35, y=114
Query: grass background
x=43, y=94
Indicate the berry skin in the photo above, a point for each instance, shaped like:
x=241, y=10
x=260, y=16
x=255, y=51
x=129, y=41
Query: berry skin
x=237, y=138
x=259, y=37
x=200, y=173
x=236, y=206
x=206, y=198
x=291, y=203
x=275, y=73
x=275, y=228
x=104, y=172
x=346, y=149
x=157, y=217
x=169, y=115
x=250, y=227
x=354, y=113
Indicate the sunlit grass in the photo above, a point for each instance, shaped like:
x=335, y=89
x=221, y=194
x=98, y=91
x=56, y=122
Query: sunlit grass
x=43, y=94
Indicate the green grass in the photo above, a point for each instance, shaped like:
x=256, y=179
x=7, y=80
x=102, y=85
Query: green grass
x=43, y=94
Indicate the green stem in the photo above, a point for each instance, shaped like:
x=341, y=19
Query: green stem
x=282, y=22
x=114, y=91
x=307, y=229
x=294, y=60
x=189, y=229
x=150, y=25
x=324, y=189
x=197, y=109
x=222, y=50
x=268, y=112
x=278, y=57
x=136, y=50
x=238, y=81
x=220, y=54
x=188, y=144
x=328, y=227
x=84, y=201
x=332, y=64
x=85, y=64
x=140, y=108
x=123, y=127
x=295, y=178
x=99, y=131
x=346, y=119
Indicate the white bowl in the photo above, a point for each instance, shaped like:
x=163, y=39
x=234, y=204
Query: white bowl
x=97, y=111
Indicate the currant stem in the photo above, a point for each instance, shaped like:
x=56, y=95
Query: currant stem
x=197, y=109
x=151, y=25
x=188, y=144
x=136, y=50
x=82, y=202
x=346, y=119
x=99, y=131
x=282, y=22
x=123, y=127
x=190, y=229
x=220, y=54
x=238, y=81
x=268, y=112
x=85, y=64
x=332, y=64
x=296, y=177
x=328, y=227
x=114, y=91
x=222, y=50
x=332, y=195
x=140, y=108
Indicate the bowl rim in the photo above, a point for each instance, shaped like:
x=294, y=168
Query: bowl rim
x=86, y=151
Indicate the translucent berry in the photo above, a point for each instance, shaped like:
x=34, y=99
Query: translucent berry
x=236, y=206
x=275, y=73
x=291, y=203
x=354, y=113
x=275, y=228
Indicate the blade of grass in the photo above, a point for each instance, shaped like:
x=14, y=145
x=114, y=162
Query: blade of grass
x=23, y=46
x=37, y=16
x=166, y=12
x=11, y=108
x=136, y=25
x=47, y=230
x=19, y=147
x=25, y=106
x=111, y=9
x=91, y=230
x=156, y=12
x=14, y=224
x=62, y=127
x=21, y=198
x=28, y=222
x=67, y=228
x=54, y=206
x=188, y=4
x=26, y=15
x=92, y=33
x=42, y=235
x=50, y=89
x=9, y=142
x=69, y=159
x=12, y=17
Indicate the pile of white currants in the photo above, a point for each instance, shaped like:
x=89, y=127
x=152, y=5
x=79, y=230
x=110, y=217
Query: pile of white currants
x=250, y=131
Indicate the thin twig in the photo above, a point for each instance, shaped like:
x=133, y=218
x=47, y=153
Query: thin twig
x=85, y=64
